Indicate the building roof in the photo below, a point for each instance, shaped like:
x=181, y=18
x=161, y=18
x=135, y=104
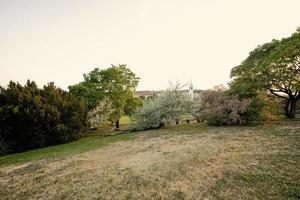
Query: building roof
x=147, y=93
x=144, y=93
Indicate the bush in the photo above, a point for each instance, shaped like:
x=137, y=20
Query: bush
x=169, y=106
x=253, y=114
x=3, y=147
x=149, y=116
x=101, y=113
x=31, y=117
x=221, y=109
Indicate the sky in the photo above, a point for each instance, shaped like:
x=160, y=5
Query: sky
x=161, y=41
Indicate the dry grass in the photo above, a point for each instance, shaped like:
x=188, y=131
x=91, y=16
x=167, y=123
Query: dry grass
x=186, y=162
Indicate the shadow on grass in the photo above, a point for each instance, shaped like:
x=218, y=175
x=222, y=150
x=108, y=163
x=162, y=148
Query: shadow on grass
x=79, y=146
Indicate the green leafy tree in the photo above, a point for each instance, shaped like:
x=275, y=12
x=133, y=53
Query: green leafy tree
x=89, y=92
x=116, y=82
x=272, y=67
x=65, y=115
x=132, y=103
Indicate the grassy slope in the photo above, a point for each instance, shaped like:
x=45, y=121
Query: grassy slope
x=184, y=162
x=76, y=147
x=95, y=140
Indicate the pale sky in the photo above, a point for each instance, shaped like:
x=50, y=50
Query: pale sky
x=160, y=40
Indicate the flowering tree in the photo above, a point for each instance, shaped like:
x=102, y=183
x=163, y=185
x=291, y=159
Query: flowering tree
x=101, y=113
x=168, y=106
x=218, y=108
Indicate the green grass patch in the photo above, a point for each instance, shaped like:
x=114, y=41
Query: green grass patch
x=92, y=140
x=79, y=146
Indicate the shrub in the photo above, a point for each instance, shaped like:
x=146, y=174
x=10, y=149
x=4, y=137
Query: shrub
x=169, y=106
x=149, y=116
x=31, y=117
x=221, y=109
x=3, y=147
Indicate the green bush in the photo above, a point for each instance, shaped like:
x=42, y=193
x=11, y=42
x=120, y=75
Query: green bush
x=31, y=117
x=252, y=116
x=3, y=147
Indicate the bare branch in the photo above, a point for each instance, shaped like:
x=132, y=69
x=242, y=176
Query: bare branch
x=274, y=92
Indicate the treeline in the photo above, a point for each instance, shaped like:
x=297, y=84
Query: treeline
x=31, y=117
x=216, y=107
x=268, y=78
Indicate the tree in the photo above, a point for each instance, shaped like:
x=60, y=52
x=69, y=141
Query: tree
x=31, y=117
x=166, y=107
x=219, y=108
x=116, y=82
x=89, y=92
x=272, y=67
x=132, y=103
x=101, y=113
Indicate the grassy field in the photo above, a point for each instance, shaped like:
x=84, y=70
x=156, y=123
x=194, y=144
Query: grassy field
x=181, y=162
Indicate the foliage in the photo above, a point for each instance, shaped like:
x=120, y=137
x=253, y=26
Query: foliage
x=164, y=108
x=270, y=106
x=116, y=82
x=87, y=91
x=132, y=103
x=272, y=67
x=3, y=147
x=219, y=108
x=149, y=116
x=101, y=113
x=32, y=117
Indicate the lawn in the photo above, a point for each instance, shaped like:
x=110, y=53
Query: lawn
x=181, y=162
x=93, y=140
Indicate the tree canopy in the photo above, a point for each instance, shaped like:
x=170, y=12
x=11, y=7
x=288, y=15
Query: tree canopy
x=272, y=67
x=116, y=82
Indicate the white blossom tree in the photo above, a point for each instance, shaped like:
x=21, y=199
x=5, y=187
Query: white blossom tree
x=169, y=106
x=101, y=113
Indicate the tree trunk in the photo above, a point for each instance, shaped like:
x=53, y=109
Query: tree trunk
x=161, y=124
x=292, y=112
x=118, y=124
x=286, y=108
